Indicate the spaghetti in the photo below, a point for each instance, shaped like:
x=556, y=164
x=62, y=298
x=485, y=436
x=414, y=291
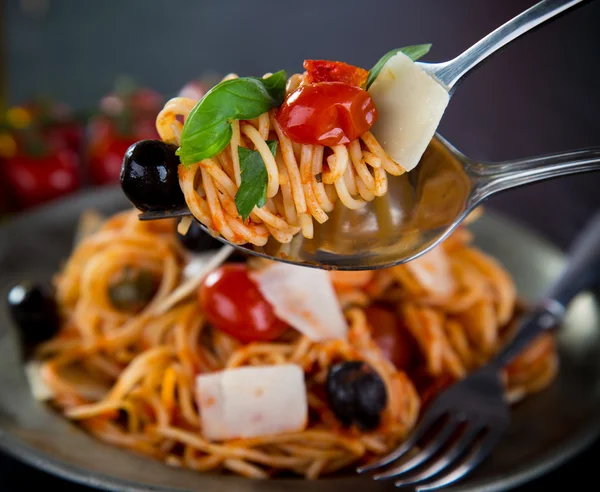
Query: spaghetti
x=305, y=181
x=127, y=376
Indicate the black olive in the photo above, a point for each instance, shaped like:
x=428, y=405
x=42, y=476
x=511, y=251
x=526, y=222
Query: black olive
x=133, y=291
x=197, y=240
x=356, y=394
x=149, y=176
x=35, y=312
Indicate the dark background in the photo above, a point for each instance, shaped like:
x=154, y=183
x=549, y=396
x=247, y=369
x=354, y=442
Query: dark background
x=539, y=95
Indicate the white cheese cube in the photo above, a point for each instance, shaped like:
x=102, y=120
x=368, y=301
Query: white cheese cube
x=252, y=401
x=39, y=389
x=410, y=105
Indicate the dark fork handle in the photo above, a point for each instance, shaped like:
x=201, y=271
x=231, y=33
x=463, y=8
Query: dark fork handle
x=582, y=272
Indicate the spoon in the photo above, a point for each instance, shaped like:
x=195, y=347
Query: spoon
x=423, y=207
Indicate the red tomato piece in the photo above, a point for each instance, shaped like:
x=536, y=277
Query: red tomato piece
x=327, y=113
x=334, y=71
x=35, y=180
x=146, y=101
x=65, y=135
x=391, y=337
x=232, y=303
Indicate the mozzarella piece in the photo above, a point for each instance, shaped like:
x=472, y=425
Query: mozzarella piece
x=39, y=389
x=432, y=271
x=410, y=105
x=304, y=298
x=252, y=401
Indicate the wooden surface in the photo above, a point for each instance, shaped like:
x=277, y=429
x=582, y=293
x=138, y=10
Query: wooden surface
x=539, y=95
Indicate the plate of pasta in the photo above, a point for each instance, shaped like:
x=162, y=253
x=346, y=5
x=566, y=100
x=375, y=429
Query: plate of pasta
x=137, y=358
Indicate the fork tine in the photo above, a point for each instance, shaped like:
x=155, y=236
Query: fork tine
x=428, y=450
x=180, y=211
x=477, y=454
x=456, y=449
x=429, y=418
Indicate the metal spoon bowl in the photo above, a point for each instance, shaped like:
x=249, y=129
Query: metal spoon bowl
x=419, y=211
x=422, y=207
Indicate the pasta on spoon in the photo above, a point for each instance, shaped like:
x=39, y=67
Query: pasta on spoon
x=256, y=158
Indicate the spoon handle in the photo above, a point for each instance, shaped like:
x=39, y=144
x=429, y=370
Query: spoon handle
x=449, y=73
x=492, y=178
x=581, y=272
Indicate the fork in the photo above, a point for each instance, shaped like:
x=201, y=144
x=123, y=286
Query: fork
x=467, y=420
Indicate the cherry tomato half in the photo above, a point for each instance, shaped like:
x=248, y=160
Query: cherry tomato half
x=327, y=113
x=334, y=71
x=390, y=336
x=233, y=304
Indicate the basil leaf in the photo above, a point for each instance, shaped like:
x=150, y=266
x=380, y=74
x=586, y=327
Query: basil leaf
x=275, y=85
x=207, y=129
x=413, y=52
x=253, y=188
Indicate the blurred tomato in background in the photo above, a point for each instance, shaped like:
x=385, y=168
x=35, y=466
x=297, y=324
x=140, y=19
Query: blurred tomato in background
x=57, y=124
x=39, y=145
x=195, y=89
x=48, y=151
x=124, y=116
x=39, y=178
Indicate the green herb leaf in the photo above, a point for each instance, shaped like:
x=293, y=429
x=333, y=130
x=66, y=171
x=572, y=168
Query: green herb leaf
x=413, y=52
x=207, y=129
x=253, y=188
x=275, y=85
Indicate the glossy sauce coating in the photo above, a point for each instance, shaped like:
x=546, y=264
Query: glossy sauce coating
x=327, y=113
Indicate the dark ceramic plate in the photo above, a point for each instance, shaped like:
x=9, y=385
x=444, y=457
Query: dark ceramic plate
x=547, y=428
